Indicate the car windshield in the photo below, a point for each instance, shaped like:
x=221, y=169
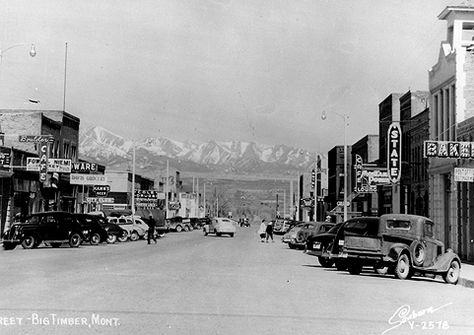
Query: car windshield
x=32, y=220
x=335, y=228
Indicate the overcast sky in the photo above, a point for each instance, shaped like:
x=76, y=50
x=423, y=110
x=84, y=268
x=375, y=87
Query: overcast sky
x=250, y=70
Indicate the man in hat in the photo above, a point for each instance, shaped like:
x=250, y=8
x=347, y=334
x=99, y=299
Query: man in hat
x=151, y=229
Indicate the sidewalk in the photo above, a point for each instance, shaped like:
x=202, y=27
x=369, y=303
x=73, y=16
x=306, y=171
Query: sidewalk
x=467, y=275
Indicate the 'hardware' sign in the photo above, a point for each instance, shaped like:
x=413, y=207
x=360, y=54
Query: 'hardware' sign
x=394, y=159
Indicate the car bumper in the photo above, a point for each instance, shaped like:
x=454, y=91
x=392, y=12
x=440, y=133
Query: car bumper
x=11, y=241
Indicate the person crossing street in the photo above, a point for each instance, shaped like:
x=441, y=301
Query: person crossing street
x=151, y=229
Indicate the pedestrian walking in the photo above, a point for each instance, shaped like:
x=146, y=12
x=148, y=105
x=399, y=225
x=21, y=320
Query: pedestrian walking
x=262, y=231
x=269, y=231
x=151, y=229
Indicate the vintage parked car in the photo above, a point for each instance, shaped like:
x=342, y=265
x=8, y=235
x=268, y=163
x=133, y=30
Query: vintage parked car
x=179, y=224
x=297, y=236
x=94, y=232
x=53, y=228
x=290, y=236
x=406, y=245
x=282, y=226
x=220, y=226
x=135, y=230
x=314, y=229
x=319, y=245
x=114, y=232
x=359, y=226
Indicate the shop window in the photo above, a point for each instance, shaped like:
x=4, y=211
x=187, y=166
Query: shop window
x=468, y=31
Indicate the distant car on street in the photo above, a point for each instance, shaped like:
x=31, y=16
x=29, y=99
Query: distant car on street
x=179, y=224
x=220, y=226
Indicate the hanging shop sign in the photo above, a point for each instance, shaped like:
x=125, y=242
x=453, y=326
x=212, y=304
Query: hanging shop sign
x=394, y=159
x=36, y=138
x=5, y=159
x=307, y=202
x=42, y=165
x=98, y=200
x=82, y=167
x=88, y=179
x=448, y=149
x=464, y=174
x=146, y=194
x=370, y=178
x=59, y=165
x=101, y=190
x=174, y=205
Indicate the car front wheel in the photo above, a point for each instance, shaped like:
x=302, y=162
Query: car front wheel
x=124, y=237
x=111, y=238
x=325, y=262
x=340, y=265
x=179, y=229
x=452, y=275
x=134, y=236
x=95, y=239
x=28, y=242
x=354, y=268
x=75, y=240
x=402, y=269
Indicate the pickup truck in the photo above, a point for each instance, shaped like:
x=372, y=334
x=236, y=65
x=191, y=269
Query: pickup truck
x=405, y=245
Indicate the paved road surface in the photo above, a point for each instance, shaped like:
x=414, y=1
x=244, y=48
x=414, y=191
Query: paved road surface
x=191, y=284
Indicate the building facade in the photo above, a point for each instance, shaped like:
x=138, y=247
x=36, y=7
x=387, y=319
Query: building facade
x=21, y=132
x=367, y=151
x=451, y=83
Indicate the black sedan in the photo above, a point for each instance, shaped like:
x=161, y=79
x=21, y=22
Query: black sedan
x=102, y=230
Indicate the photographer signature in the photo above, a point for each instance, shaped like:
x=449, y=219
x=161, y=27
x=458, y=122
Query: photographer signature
x=405, y=314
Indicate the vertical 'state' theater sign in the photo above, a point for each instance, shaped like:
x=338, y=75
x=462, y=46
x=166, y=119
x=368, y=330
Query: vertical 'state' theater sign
x=394, y=159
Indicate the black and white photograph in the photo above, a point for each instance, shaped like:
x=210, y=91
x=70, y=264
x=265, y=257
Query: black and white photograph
x=234, y=167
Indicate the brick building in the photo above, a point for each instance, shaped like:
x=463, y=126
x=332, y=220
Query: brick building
x=451, y=85
x=27, y=193
x=367, y=149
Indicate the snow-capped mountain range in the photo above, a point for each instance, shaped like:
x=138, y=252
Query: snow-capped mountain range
x=102, y=146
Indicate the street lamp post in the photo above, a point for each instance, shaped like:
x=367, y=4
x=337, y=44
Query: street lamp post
x=345, y=118
x=32, y=51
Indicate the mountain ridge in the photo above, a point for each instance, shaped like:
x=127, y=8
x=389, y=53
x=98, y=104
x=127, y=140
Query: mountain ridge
x=229, y=157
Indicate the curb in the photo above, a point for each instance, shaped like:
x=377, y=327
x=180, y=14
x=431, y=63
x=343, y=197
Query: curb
x=466, y=282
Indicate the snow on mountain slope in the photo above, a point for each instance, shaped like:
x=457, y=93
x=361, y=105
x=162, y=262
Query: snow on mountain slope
x=103, y=146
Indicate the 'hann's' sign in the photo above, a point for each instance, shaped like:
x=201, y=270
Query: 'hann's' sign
x=394, y=149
